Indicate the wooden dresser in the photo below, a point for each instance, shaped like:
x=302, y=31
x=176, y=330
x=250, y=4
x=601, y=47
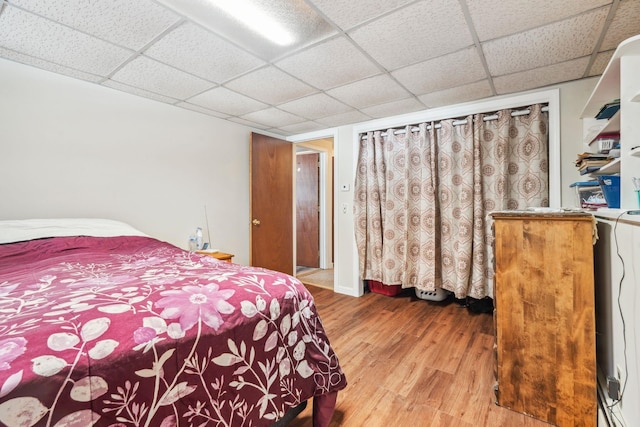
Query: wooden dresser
x=544, y=316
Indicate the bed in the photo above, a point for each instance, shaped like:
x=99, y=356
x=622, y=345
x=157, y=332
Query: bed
x=101, y=325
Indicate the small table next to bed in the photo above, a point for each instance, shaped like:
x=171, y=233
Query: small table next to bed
x=222, y=256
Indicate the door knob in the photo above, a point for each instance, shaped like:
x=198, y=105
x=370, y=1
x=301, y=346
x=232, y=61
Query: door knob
x=255, y=222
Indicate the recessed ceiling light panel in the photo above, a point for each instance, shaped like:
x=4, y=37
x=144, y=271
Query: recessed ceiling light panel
x=266, y=28
x=254, y=18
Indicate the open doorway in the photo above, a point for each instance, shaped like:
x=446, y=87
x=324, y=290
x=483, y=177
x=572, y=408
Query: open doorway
x=314, y=212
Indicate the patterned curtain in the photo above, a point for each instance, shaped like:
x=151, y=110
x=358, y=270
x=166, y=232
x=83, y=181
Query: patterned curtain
x=422, y=197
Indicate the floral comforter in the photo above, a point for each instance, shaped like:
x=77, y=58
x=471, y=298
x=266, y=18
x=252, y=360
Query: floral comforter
x=131, y=331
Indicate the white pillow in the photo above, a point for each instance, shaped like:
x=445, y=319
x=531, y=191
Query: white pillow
x=27, y=229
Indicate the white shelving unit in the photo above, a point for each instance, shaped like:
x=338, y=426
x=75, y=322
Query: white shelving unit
x=608, y=87
x=600, y=127
x=609, y=169
x=620, y=81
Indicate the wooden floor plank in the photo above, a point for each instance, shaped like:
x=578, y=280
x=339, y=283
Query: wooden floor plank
x=411, y=362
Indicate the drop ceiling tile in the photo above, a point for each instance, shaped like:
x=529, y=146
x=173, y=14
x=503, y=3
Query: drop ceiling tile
x=270, y=85
x=329, y=64
x=348, y=13
x=315, y=106
x=273, y=117
x=457, y=95
x=498, y=18
x=447, y=71
x=46, y=65
x=131, y=24
x=153, y=76
x=137, y=91
x=394, y=108
x=557, y=42
x=202, y=110
x=421, y=31
x=302, y=127
x=227, y=101
x=540, y=77
x=198, y=51
x=601, y=62
x=347, y=118
x=248, y=123
x=371, y=91
x=625, y=24
x=43, y=39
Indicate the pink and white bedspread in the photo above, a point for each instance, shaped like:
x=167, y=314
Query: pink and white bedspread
x=132, y=331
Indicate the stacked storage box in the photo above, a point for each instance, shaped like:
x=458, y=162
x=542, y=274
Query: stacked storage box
x=589, y=195
x=610, y=185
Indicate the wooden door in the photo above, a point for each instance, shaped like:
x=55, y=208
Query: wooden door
x=308, y=210
x=271, y=201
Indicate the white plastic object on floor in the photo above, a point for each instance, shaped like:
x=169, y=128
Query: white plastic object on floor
x=438, y=294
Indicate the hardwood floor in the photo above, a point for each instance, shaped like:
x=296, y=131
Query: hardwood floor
x=411, y=362
x=322, y=278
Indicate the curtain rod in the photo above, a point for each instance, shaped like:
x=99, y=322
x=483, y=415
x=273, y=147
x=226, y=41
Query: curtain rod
x=464, y=121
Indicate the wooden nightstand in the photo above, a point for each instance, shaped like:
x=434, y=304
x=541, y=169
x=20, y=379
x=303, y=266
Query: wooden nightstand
x=222, y=256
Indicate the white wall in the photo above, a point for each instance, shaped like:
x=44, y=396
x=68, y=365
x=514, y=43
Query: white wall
x=573, y=97
x=72, y=148
x=69, y=148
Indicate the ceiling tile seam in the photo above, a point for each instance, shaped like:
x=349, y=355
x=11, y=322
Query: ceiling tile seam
x=334, y=98
x=214, y=84
x=140, y=52
x=301, y=116
x=264, y=109
x=343, y=34
x=74, y=29
x=206, y=113
x=200, y=106
x=231, y=90
x=476, y=41
x=176, y=100
x=596, y=48
x=363, y=23
x=273, y=63
x=134, y=53
x=277, y=105
x=245, y=73
x=3, y=5
x=309, y=121
x=315, y=118
x=211, y=31
x=340, y=34
x=454, y=87
x=49, y=62
x=382, y=68
x=309, y=46
x=265, y=66
x=548, y=23
x=544, y=66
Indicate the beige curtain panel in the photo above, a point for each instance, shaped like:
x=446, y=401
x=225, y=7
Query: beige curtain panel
x=422, y=195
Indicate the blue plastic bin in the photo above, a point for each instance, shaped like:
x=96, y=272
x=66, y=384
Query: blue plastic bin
x=610, y=185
